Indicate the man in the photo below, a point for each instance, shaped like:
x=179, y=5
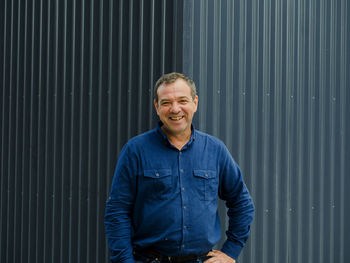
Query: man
x=163, y=201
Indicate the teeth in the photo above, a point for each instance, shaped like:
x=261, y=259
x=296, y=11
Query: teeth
x=176, y=118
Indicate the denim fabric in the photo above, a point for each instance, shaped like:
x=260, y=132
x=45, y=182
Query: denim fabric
x=166, y=198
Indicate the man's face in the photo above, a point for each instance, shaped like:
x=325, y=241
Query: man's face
x=175, y=107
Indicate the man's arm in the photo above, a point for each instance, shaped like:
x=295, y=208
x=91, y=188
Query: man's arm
x=240, y=207
x=118, y=226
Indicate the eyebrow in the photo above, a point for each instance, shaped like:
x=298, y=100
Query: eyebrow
x=179, y=98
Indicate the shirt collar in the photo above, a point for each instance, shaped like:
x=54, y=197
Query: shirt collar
x=165, y=138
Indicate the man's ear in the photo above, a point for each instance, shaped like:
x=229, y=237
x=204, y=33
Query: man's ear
x=156, y=105
x=195, y=101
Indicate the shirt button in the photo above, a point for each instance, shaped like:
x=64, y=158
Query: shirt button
x=206, y=175
x=185, y=207
x=182, y=246
x=181, y=170
x=157, y=174
x=183, y=188
x=185, y=227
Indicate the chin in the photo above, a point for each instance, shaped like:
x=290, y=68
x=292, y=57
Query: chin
x=173, y=130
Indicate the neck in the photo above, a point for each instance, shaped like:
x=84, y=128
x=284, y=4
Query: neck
x=178, y=140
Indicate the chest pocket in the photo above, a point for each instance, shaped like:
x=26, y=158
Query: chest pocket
x=207, y=183
x=157, y=183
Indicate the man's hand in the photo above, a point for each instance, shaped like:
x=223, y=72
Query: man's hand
x=218, y=256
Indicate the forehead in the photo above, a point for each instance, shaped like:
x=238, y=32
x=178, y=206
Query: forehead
x=179, y=88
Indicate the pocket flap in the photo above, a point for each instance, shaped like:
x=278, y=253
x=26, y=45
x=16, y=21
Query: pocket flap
x=206, y=174
x=157, y=173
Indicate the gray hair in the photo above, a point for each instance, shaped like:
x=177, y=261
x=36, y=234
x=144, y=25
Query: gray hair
x=171, y=78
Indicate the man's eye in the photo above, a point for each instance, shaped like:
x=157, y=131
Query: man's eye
x=165, y=103
x=183, y=101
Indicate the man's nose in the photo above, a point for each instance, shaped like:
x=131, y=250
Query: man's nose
x=175, y=108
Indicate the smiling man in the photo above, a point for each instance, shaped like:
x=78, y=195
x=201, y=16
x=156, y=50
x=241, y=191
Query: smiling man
x=162, y=205
x=175, y=105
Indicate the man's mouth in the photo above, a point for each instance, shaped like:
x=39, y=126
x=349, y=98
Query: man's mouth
x=176, y=118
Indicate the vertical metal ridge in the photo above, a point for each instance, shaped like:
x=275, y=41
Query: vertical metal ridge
x=63, y=84
x=300, y=102
x=187, y=41
x=312, y=129
x=119, y=73
x=229, y=89
x=203, y=22
x=47, y=194
x=344, y=60
x=242, y=81
x=266, y=101
x=152, y=54
x=332, y=101
x=140, y=70
x=32, y=142
x=217, y=89
x=55, y=153
x=9, y=253
x=17, y=179
x=289, y=117
x=277, y=127
x=3, y=188
x=110, y=103
x=40, y=197
x=130, y=67
x=100, y=132
x=322, y=107
x=71, y=228
x=252, y=110
x=162, y=36
x=81, y=172
x=91, y=138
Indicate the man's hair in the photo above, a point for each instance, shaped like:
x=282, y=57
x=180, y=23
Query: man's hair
x=171, y=78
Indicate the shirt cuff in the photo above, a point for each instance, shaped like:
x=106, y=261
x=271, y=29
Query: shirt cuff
x=232, y=249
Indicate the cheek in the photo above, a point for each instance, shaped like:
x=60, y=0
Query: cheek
x=161, y=111
x=190, y=111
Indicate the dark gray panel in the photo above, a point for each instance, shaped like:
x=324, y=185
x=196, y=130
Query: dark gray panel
x=272, y=79
x=76, y=84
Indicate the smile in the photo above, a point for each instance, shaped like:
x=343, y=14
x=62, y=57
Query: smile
x=176, y=118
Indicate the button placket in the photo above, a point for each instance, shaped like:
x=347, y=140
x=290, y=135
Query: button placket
x=181, y=171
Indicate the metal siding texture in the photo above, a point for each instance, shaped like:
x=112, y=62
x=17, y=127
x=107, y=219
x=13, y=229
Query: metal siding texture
x=76, y=84
x=272, y=79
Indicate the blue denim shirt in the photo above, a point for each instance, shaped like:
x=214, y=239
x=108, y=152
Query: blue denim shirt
x=167, y=199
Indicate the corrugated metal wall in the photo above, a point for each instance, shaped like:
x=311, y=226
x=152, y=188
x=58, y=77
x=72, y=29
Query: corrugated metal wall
x=272, y=78
x=76, y=82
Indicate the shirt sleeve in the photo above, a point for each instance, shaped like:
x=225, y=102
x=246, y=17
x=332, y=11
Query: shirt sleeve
x=118, y=224
x=239, y=203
